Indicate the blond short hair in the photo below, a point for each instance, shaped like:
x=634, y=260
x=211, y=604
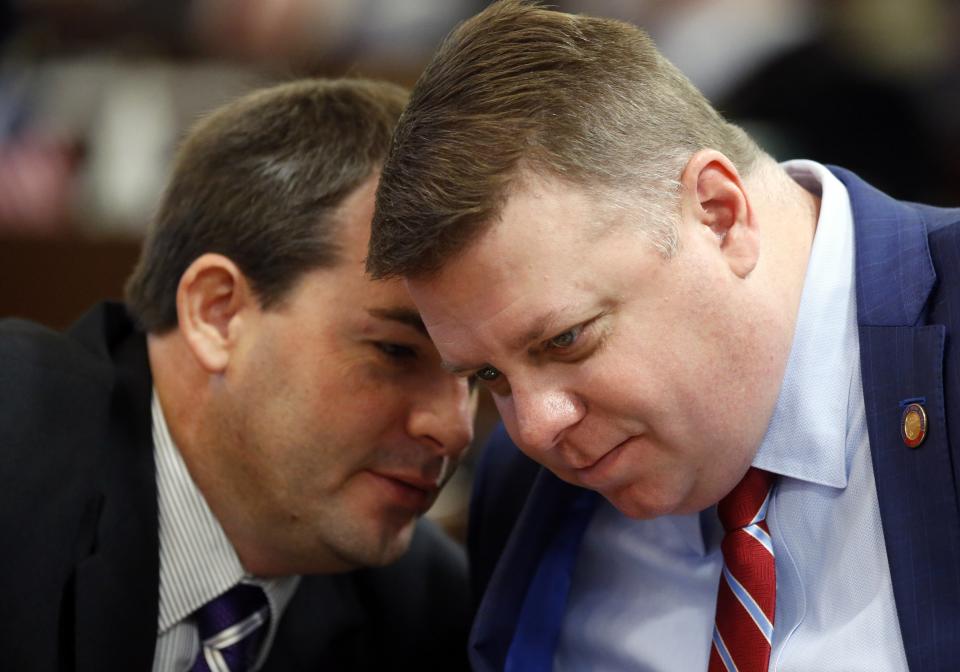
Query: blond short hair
x=519, y=88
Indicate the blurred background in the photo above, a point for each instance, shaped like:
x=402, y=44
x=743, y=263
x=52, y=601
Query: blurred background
x=95, y=94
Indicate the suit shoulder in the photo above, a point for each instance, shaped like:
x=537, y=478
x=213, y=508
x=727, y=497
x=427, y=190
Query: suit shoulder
x=31, y=352
x=937, y=218
x=431, y=576
x=943, y=226
x=502, y=483
x=504, y=476
x=419, y=607
x=55, y=396
x=501, y=460
x=412, y=614
x=54, y=409
x=35, y=358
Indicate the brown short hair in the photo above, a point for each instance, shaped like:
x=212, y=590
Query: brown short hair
x=256, y=180
x=520, y=88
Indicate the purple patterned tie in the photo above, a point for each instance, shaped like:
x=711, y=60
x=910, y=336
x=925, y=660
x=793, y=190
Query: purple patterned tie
x=231, y=628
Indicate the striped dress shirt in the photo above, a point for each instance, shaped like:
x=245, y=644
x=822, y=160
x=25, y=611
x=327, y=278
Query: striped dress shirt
x=197, y=561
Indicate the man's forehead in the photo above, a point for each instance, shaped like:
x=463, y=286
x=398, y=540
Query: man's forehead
x=350, y=221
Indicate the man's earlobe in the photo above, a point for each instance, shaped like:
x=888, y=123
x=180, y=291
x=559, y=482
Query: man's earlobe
x=715, y=197
x=212, y=295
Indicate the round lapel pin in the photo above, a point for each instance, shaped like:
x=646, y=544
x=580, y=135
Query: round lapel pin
x=913, y=425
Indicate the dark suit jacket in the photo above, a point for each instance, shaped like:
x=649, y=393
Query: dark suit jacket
x=908, y=309
x=78, y=510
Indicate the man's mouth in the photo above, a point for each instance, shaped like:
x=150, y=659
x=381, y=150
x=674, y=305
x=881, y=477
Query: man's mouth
x=407, y=490
x=603, y=470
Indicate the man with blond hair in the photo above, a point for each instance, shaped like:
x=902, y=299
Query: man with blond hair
x=217, y=475
x=750, y=362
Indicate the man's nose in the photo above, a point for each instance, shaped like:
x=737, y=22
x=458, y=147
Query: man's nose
x=540, y=416
x=442, y=416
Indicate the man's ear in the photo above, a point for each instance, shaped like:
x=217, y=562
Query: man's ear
x=714, y=197
x=212, y=298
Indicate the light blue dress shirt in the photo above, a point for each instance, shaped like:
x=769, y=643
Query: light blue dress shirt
x=644, y=592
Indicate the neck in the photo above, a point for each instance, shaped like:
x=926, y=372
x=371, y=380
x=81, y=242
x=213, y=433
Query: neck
x=186, y=395
x=788, y=215
x=180, y=386
x=205, y=427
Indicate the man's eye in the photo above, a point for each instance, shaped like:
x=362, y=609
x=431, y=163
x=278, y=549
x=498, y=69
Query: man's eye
x=566, y=339
x=487, y=374
x=395, y=350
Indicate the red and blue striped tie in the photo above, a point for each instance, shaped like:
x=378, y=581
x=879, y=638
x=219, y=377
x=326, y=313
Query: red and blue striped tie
x=743, y=629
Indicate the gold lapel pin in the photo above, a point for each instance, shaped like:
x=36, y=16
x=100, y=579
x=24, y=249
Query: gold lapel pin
x=913, y=425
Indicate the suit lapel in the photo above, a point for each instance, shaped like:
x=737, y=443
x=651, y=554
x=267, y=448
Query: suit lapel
x=901, y=361
x=116, y=586
x=321, y=627
x=547, y=506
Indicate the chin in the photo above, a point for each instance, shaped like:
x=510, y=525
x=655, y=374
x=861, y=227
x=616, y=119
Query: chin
x=637, y=511
x=644, y=504
x=376, y=548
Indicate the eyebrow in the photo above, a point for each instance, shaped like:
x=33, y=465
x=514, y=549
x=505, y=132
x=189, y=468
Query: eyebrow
x=406, y=316
x=534, y=333
x=460, y=369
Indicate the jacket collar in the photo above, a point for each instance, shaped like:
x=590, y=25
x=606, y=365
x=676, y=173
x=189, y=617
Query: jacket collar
x=115, y=583
x=894, y=271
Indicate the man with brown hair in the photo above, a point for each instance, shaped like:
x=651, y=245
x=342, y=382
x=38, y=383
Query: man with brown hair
x=216, y=476
x=749, y=361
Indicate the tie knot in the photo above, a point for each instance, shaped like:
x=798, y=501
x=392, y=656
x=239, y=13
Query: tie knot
x=231, y=627
x=747, y=502
x=234, y=606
